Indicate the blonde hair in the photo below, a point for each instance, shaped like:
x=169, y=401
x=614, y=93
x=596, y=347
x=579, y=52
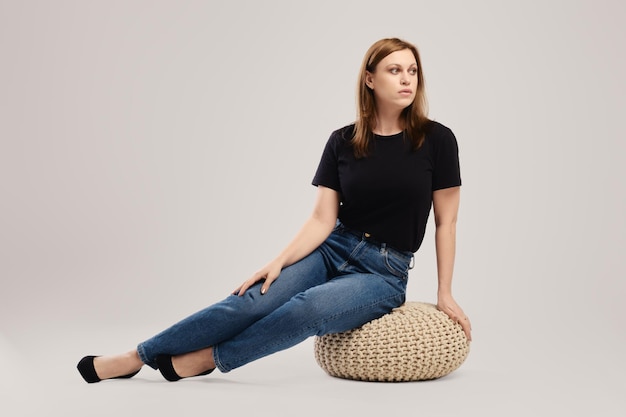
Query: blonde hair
x=414, y=115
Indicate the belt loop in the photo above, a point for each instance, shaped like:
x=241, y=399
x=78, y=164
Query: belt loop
x=412, y=262
x=383, y=247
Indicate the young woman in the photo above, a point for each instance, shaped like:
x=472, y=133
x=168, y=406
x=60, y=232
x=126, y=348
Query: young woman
x=349, y=263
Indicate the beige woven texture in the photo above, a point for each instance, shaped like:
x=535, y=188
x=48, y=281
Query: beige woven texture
x=414, y=342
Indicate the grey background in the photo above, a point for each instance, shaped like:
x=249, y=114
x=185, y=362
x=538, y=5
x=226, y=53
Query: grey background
x=154, y=154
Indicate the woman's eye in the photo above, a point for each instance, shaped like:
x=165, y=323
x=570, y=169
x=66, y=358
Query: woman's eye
x=394, y=70
x=413, y=71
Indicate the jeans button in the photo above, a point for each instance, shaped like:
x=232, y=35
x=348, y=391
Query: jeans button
x=367, y=235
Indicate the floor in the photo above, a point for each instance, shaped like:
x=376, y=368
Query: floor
x=519, y=381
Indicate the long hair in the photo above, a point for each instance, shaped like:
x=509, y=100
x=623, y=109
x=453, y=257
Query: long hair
x=414, y=116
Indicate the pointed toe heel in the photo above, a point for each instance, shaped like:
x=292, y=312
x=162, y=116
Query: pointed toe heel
x=87, y=370
x=89, y=374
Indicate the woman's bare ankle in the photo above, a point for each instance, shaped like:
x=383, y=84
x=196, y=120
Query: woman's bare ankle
x=112, y=366
x=194, y=363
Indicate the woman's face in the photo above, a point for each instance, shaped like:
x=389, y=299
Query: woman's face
x=394, y=81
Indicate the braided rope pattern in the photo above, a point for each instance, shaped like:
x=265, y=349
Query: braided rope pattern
x=414, y=342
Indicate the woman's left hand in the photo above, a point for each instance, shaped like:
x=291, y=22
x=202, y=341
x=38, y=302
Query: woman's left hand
x=455, y=312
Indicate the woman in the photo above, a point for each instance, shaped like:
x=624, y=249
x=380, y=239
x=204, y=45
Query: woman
x=349, y=263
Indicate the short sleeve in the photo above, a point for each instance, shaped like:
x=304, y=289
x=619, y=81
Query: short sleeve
x=446, y=169
x=327, y=173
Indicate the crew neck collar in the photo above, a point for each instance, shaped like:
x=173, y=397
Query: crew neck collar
x=395, y=135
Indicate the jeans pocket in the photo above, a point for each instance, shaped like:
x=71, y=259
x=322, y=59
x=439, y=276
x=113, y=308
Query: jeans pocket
x=396, y=264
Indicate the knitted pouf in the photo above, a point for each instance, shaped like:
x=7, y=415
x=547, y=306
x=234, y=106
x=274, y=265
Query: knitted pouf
x=414, y=342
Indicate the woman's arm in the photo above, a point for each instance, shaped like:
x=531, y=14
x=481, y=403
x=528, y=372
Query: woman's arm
x=312, y=234
x=446, y=208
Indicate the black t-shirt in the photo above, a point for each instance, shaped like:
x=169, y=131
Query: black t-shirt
x=389, y=193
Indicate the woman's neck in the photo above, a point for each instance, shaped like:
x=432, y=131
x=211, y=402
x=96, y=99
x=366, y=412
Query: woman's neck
x=388, y=123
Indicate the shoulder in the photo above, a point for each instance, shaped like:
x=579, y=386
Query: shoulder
x=341, y=138
x=439, y=135
x=343, y=134
x=438, y=131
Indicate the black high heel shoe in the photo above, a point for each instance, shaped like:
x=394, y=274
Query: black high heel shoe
x=167, y=369
x=88, y=372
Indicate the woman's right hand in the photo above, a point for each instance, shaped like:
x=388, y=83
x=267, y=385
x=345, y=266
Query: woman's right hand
x=314, y=231
x=268, y=273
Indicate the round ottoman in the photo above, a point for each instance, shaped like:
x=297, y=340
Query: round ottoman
x=414, y=342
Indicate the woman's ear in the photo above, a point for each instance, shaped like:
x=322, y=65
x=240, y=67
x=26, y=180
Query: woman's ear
x=369, y=80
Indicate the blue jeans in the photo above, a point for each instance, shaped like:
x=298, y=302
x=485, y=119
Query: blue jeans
x=346, y=282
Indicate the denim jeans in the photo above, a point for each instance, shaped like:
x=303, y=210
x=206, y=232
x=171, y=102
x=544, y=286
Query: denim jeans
x=347, y=281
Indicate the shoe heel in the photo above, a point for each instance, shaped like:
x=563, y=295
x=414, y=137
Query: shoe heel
x=164, y=362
